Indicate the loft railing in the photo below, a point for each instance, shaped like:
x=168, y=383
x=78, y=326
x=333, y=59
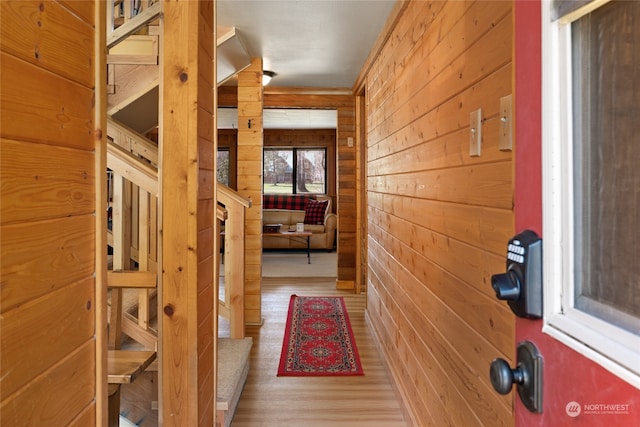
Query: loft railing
x=132, y=191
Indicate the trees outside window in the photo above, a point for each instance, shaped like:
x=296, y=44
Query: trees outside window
x=307, y=174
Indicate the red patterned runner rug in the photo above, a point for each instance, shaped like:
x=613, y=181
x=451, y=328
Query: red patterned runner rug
x=318, y=340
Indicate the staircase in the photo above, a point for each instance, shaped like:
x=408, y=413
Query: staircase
x=133, y=169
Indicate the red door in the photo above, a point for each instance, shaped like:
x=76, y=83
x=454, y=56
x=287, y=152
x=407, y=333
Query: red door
x=576, y=390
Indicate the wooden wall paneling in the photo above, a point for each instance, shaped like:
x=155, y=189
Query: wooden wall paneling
x=51, y=36
x=288, y=97
x=188, y=187
x=55, y=398
x=415, y=391
x=59, y=106
x=361, y=196
x=23, y=332
x=308, y=98
x=90, y=14
x=439, y=218
x=475, y=225
x=52, y=273
x=486, y=184
x=45, y=181
x=444, y=345
x=88, y=417
x=346, y=209
x=491, y=52
x=250, y=144
x=489, y=317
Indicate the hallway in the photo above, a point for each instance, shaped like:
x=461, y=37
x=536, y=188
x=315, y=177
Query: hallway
x=268, y=400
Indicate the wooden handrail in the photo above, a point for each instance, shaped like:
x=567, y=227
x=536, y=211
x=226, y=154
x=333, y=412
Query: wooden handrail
x=139, y=143
x=228, y=196
x=221, y=213
x=134, y=24
x=132, y=168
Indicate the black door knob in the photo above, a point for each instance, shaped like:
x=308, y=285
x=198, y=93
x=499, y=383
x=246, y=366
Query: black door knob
x=503, y=377
x=527, y=375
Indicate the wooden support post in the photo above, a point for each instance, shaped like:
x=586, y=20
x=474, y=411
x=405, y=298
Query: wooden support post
x=189, y=298
x=250, y=144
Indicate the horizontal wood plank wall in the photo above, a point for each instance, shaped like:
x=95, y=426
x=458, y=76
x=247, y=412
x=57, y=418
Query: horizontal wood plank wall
x=50, y=355
x=439, y=219
x=187, y=169
x=250, y=141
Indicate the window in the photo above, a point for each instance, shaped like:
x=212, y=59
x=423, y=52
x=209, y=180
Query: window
x=223, y=166
x=284, y=175
x=606, y=63
x=591, y=182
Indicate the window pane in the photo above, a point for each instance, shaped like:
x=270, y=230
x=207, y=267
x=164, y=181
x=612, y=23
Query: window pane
x=310, y=173
x=278, y=171
x=222, y=171
x=606, y=64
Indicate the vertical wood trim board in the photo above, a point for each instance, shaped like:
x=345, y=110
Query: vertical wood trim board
x=207, y=319
x=346, y=208
x=250, y=143
x=100, y=138
x=50, y=369
x=438, y=218
x=361, y=194
x=187, y=346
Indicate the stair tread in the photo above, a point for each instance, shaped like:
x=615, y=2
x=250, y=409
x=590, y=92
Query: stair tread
x=233, y=357
x=125, y=365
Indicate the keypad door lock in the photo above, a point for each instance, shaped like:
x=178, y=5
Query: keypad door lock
x=527, y=375
x=521, y=285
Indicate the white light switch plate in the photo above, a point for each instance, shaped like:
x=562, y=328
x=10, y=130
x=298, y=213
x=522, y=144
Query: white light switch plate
x=475, y=133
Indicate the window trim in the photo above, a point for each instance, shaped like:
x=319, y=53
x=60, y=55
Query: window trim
x=613, y=348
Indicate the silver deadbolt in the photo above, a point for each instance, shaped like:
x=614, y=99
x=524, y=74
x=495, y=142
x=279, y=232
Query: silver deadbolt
x=527, y=375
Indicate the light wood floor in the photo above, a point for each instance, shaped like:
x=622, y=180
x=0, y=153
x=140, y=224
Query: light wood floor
x=268, y=400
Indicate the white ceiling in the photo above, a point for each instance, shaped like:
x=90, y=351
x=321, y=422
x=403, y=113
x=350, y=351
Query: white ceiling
x=307, y=43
